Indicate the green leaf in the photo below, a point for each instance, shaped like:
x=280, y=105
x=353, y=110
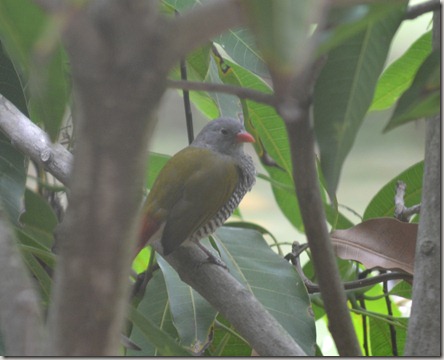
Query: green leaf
x=38, y=222
x=403, y=289
x=240, y=45
x=165, y=345
x=422, y=99
x=39, y=60
x=154, y=306
x=13, y=167
x=380, y=338
x=156, y=162
x=344, y=91
x=38, y=213
x=400, y=74
x=383, y=203
x=281, y=29
x=41, y=275
x=272, y=280
x=192, y=315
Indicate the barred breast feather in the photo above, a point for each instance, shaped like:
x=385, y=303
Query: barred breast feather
x=247, y=178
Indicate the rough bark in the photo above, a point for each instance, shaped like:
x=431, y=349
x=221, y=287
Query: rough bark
x=424, y=332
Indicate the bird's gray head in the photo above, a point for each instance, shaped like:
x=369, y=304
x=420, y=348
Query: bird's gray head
x=224, y=135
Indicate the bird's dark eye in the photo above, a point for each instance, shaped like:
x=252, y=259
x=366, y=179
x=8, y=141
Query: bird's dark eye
x=224, y=131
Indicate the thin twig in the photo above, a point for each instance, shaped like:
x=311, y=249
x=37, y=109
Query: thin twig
x=392, y=329
x=362, y=282
x=34, y=142
x=240, y=92
x=417, y=10
x=186, y=102
x=402, y=212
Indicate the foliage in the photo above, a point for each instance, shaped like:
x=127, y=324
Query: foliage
x=171, y=318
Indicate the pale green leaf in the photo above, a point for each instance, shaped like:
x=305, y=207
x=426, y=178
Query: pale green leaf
x=400, y=74
x=192, y=315
x=272, y=280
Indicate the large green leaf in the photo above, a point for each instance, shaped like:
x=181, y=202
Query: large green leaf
x=422, y=99
x=40, y=61
x=13, y=167
x=383, y=203
x=400, y=74
x=155, y=308
x=272, y=280
x=192, y=315
x=344, y=91
x=164, y=343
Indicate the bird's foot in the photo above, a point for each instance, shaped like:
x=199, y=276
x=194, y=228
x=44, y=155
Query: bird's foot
x=211, y=258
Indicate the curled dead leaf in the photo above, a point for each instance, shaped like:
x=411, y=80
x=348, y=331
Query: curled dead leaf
x=378, y=243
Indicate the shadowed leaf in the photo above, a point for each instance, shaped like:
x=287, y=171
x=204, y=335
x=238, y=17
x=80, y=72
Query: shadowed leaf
x=422, y=99
x=345, y=88
x=378, y=243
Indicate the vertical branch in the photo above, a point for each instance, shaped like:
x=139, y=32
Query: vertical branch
x=424, y=332
x=117, y=55
x=294, y=110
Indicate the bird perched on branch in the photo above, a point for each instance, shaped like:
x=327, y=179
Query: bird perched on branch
x=198, y=188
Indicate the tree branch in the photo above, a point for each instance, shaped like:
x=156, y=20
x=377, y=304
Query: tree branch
x=240, y=92
x=424, y=332
x=420, y=9
x=119, y=60
x=34, y=142
x=294, y=110
x=348, y=285
x=234, y=302
x=402, y=212
x=21, y=322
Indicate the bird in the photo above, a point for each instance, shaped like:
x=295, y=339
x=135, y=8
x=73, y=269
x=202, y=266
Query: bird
x=198, y=188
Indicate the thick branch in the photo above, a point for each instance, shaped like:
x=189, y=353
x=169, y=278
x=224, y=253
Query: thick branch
x=424, y=332
x=21, y=325
x=34, y=142
x=240, y=92
x=117, y=52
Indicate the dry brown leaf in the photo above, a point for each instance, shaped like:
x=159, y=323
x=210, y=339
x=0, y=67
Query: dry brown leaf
x=378, y=243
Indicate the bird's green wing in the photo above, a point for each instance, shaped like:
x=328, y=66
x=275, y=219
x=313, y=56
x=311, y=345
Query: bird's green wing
x=206, y=182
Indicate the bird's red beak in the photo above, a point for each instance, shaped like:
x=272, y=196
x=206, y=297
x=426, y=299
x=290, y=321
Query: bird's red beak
x=245, y=137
